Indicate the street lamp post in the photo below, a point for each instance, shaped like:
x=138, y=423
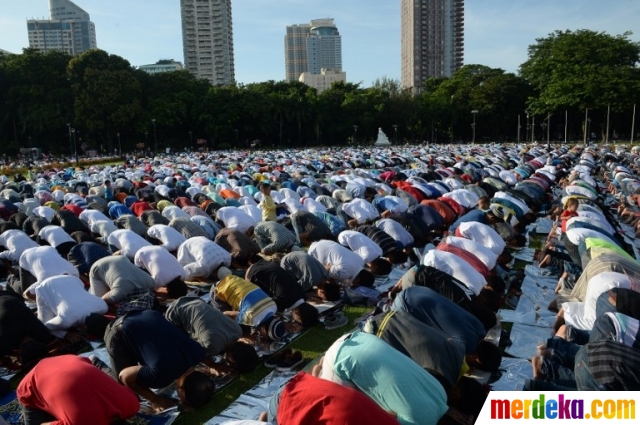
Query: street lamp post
x=544, y=127
x=70, y=139
x=519, y=127
x=155, y=136
x=473, y=126
x=586, y=126
x=355, y=134
x=589, y=129
x=75, y=148
x=119, y=144
x=395, y=128
x=633, y=122
x=526, y=135
x=533, y=128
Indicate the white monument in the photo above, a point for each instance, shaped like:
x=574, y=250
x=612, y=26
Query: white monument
x=383, y=140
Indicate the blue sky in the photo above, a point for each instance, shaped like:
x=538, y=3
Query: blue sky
x=497, y=32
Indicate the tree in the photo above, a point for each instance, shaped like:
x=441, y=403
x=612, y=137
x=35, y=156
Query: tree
x=582, y=69
x=107, y=94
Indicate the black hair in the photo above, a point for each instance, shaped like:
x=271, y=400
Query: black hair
x=242, y=356
x=485, y=315
x=397, y=256
x=308, y=314
x=520, y=240
x=96, y=325
x=364, y=278
x=198, y=389
x=264, y=185
x=31, y=352
x=331, y=291
x=490, y=299
x=468, y=396
x=380, y=267
x=496, y=283
x=489, y=356
x=176, y=288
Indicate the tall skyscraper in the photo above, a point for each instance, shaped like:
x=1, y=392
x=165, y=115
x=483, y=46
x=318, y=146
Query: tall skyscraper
x=69, y=29
x=432, y=40
x=312, y=48
x=207, y=39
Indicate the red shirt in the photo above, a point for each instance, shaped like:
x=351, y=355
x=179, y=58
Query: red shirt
x=139, y=207
x=76, y=210
x=75, y=392
x=456, y=207
x=443, y=209
x=566, y=215
x=309, y=400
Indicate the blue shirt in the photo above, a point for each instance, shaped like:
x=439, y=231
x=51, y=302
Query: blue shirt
x=473, y=215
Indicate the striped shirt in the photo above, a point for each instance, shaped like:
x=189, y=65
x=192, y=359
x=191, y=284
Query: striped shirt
x=187, y=228
x=252, y=303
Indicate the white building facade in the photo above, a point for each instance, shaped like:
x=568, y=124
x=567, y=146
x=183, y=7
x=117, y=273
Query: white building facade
x=69, y=29
x=311, y=48
x=432, y=40
x=324, y=80
x=207, y=38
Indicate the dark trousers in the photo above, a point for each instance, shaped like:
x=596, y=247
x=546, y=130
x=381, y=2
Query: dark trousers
x=120, y=356
x=36, y=416
x=21, y=282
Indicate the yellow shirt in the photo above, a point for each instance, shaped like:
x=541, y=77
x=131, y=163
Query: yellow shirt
x=268, y=208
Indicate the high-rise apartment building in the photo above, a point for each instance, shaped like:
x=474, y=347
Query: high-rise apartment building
x=69, y=29
x=432, y=40
x=207, y=38
x=312, y=48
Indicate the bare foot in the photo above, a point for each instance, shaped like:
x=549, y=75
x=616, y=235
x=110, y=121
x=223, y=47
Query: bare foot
x=536, y=365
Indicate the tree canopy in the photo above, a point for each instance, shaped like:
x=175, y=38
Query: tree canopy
x=582, y=69
x=110, y=103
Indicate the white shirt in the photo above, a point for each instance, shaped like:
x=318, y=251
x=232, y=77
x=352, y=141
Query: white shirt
x=464, y=197
x=361, y=244
x=45, y=212
x=103, y=228
x=171, y=239
x=92, y=216
x=361, y=210
x=576, y=236
x=455, y=266
x=313, y=206
x=345, y=264
x=63, y=302
x=396, y=231
x=29, y=205
x=127, y=241
x=44, y=262
x=173, y=211
x=16, y=242
x=161, y=265
x=253, y=211
x=200, y=257
x=484, y=254
x=582, y=315
x=54, y=235
x=235, y=218
x=294, y=205
x=482, y=234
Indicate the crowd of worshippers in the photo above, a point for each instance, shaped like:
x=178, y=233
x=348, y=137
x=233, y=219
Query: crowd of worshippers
x=594, y=346
x=106, y=253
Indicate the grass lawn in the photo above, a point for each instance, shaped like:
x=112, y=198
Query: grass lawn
x=312, y=344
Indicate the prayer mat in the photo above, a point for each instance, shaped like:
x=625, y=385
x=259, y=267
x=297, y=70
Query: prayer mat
x=255, y=401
